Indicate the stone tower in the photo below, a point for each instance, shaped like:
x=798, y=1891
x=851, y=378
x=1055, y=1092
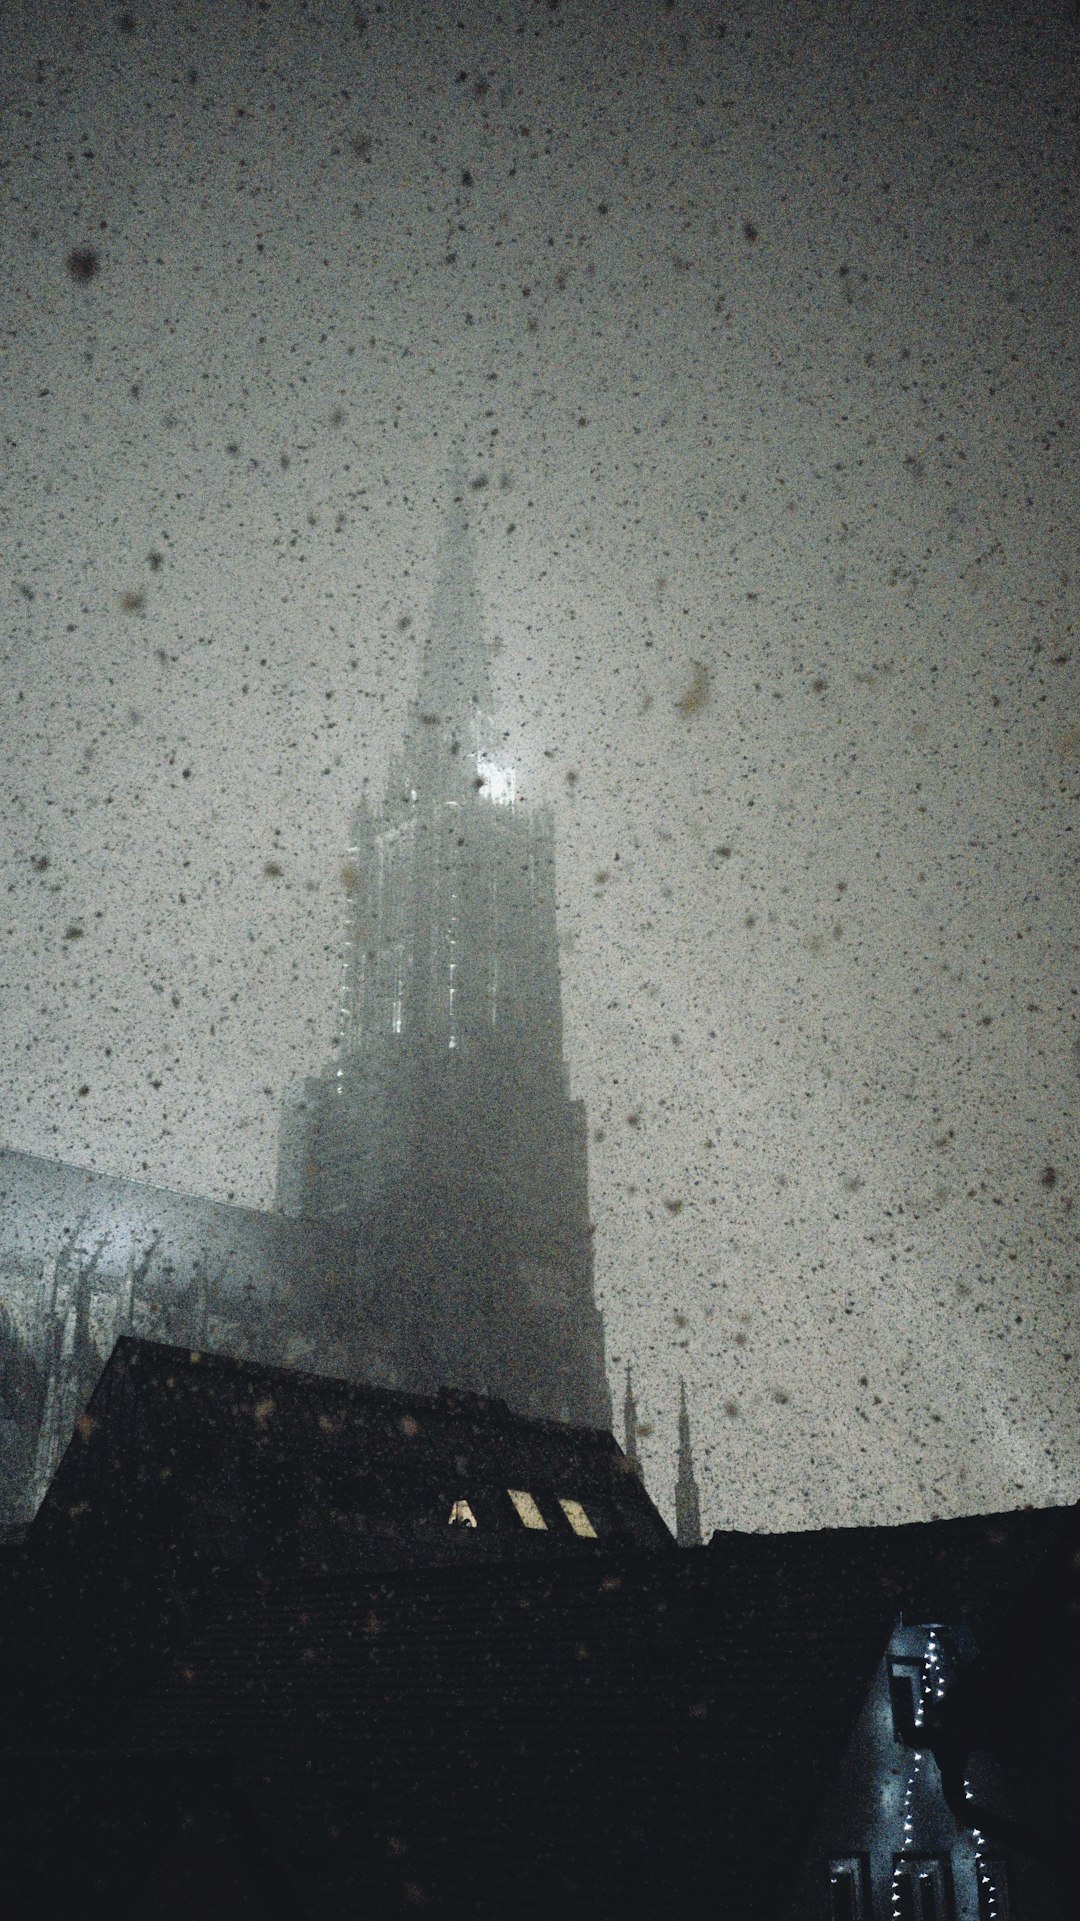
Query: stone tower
x=439, y=1157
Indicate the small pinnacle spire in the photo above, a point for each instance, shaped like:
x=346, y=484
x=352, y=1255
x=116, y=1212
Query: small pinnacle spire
x=630, y=1426
x=450, y=712
x=459, y=471
x=687, y=1500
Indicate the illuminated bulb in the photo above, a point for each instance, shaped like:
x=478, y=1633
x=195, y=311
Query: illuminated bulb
x=495, y=781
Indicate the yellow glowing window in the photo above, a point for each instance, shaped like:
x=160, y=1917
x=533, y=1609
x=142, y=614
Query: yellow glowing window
x=528, y=1511
x=461, y=1515
x=577, y=1517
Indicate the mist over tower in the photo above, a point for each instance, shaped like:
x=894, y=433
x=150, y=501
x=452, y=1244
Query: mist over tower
x=439, y=1157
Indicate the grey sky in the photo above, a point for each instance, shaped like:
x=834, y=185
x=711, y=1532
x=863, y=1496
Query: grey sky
x=759, y=326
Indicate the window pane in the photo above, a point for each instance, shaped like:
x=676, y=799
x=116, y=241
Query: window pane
x=905, y=1695
x=843, y=1900
x=461, y=1515
x=577, y=1517
x=526, y=1507
x=921, y=1888
x=849, y=1888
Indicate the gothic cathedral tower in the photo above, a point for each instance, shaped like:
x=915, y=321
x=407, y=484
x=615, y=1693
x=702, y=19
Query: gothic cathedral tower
x=439, y=1159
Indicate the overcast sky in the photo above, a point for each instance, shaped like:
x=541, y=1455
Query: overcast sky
x=759, y=325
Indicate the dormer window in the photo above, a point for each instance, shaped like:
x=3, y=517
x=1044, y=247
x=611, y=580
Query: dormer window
x=577, y=1518
x=528, y=1512
x=461, y=1515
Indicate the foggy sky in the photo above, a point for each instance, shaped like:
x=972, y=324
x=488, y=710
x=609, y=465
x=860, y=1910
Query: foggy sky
x=757, y=326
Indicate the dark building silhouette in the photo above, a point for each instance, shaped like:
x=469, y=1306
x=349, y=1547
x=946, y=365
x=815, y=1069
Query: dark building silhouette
x=439, y=1158
x=955, y=1797
x=278, y=1646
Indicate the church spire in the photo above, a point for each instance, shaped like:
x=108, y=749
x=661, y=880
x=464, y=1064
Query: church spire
x=630, y=1427
x=687, y=1502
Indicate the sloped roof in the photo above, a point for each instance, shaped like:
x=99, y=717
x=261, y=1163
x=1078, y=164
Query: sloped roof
x=529, y=1740
x=165, y=1414
x=189, y=1468
x=974, y=1566
x=573, y=1737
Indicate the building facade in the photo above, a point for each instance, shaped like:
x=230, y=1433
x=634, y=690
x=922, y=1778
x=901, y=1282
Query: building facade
x=431, y=1224
x=86, y=1258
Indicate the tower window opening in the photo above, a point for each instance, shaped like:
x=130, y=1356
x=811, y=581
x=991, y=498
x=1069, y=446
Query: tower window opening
x=577, y=1518
x=399, y=992
x=528, y=1512
x=461, y=1515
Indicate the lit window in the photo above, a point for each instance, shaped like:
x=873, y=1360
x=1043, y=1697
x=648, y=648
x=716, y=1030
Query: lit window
x=577, y=1517
x=849, y=1888
x=528, y=1512
x=461, y=1515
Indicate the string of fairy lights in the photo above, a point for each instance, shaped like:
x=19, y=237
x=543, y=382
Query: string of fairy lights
x=987, y=1884
x=933, y=1682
